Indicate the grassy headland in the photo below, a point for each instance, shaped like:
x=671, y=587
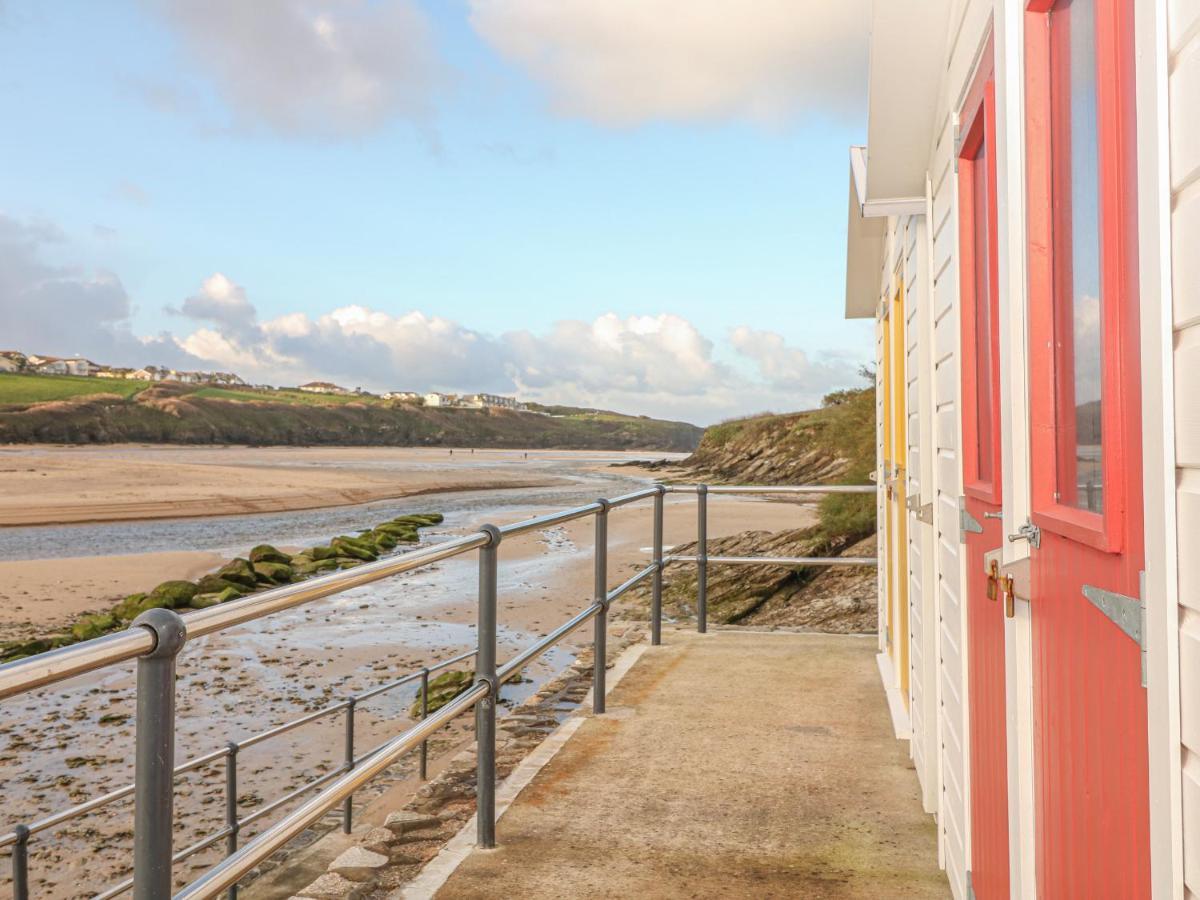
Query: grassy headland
x=62, y=409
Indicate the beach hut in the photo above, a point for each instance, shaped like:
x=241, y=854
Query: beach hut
x=1019, y=225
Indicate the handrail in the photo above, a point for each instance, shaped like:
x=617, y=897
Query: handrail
x=154, y=639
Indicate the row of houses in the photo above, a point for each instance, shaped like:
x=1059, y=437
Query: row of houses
x=431, y=399
x=16, y=361
x=1023, y=225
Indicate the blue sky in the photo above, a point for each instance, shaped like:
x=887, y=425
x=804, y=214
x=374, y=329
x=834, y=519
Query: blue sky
x=515, y=187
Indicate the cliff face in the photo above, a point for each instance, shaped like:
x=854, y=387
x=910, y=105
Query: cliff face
x=177, y=414
x=831, y=445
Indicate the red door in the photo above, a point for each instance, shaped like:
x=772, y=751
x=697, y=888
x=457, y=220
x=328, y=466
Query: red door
x=982, y=486
x=1089, y=704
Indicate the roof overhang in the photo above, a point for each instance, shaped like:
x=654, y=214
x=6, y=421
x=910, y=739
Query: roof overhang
x=864, y=245
x=907, y=53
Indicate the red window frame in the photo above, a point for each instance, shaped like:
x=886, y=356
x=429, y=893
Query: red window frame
x=1119, y=380
x=979, y=132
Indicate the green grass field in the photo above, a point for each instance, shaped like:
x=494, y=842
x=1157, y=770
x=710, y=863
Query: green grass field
x=16, y=388
x=300, y=398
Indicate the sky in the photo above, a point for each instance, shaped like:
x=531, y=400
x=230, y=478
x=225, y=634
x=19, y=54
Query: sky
x=612, y=203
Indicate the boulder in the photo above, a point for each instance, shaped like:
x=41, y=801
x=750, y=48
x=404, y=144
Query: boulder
x=383, y=541
x=214, y=584
x=135, y=604
x=239, y=571
x=203, y=601
x=348, y=562
x=358, y=864
x=273, y=572
x=88, y=627
x=313, y=566
x=442, y=690
x=332, y=886
x=319, y=553
x=420, y=520
x=177, y=594
x=405, y=821
x=406, y=533
x=354, y=548
x=267, y=553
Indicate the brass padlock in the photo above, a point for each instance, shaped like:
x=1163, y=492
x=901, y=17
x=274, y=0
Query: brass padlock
x=1010, y=597
x=993, y=580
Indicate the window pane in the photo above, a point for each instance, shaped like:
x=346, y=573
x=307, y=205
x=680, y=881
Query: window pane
x=1077, y=294
x=983, y=318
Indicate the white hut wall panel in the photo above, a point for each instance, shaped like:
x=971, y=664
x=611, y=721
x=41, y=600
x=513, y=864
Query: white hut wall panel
x=1183, y=24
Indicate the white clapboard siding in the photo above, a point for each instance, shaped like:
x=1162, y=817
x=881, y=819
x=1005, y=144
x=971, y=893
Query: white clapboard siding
x=1184, y=91
x=954, y=827
x=922, y=609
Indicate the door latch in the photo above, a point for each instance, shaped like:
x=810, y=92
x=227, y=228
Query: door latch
x=1010, y=597
x=1028, y=532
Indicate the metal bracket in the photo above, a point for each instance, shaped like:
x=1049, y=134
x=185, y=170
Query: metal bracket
x=923, y=513
x=1127, y=613
x=967, y=523
x=1028, y=532
x=913, y=503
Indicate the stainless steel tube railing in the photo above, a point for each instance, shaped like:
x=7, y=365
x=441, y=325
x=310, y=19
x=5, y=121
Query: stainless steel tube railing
x=156, y=638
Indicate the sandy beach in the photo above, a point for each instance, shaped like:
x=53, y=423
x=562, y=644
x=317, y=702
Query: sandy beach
x=72, y=741
x=44, y=485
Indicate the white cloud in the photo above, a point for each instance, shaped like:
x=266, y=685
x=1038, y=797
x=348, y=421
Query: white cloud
x=787, y=368
x=325, y=68
x=623, y=62
x=659, y=365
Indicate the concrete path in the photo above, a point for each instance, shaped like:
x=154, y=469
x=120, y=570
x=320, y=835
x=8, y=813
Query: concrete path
x=729, y=765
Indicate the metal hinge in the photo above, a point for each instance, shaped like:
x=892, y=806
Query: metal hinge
x=1028, y=532
x=970, y=887
x=1127, y=613
x=924, y=513
x=967, y=523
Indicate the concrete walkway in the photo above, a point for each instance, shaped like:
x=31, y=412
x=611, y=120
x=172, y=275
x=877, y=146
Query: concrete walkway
x=729, y=765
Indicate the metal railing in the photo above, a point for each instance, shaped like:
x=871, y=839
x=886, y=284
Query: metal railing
x=157, y=636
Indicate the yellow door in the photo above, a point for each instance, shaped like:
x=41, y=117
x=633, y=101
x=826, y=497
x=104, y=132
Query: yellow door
x=895, y=455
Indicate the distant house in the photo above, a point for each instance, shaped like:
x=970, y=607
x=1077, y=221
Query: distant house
x=186, y=377
x=435, y=399
x=484, y=401
x=12, y=361
x=403, y=396
x=150, y=373
x=107, y=372
x=223, y=378
x=54, y=365
x=323, y=387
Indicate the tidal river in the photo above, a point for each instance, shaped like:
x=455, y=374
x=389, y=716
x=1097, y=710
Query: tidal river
x=63, y=745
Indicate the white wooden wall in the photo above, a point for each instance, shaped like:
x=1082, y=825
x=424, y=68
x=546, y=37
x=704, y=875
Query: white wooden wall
x=922, y=615
x=1183, y=23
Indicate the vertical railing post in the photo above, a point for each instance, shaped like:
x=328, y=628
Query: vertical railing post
x=656, y=589
x=424, y=716
x=231, y=807
x=600, y=595
x=348, y=803
x=485, y=709
x=20, y=863
x=702, y=558
x=154, y=768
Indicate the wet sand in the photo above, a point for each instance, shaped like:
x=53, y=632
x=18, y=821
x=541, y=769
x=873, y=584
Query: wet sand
x=60, y=746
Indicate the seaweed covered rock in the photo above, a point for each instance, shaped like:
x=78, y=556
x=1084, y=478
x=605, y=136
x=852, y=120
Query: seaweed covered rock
x=92, y=626
x=10, y=650
x=354, y=548
x=302, y=565
x=203, y=601
x=273, y=572
x=318, y=553
x=239, y=571
x=382, y=540
x=406, y=533
x=214, y=584
x=442, y=690
x=267, y=553
x=175, y=594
